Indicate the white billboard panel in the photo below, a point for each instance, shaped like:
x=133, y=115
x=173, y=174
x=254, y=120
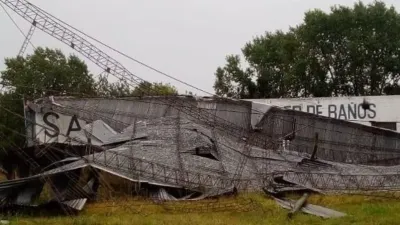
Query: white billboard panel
x=382, y=108
x=56, y=127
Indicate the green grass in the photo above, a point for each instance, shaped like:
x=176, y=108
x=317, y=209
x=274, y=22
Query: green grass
x=245, y=209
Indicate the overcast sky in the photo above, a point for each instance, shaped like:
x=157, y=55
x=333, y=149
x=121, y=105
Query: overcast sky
x=187, y=39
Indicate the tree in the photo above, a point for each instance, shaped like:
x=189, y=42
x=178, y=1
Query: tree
x=123, y=89
x=348, y=51
x=48, y=72
x=11, y=124
x=232, y=81
x=154, y=89
x=116, y=89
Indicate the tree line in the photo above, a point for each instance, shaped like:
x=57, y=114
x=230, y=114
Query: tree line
x=349, y=51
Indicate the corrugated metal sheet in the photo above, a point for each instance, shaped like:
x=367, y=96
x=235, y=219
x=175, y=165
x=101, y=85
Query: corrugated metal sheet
x=338, y=140
x=118, y=113
x=76, y=204
x=311, y=209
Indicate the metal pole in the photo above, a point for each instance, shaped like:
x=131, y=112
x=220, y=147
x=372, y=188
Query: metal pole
x=315, y=147
x=25, y=123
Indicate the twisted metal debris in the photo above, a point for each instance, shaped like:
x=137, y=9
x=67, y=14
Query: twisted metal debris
x=173, y=158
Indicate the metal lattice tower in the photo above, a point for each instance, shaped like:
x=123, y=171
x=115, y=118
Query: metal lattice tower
x=28, y=38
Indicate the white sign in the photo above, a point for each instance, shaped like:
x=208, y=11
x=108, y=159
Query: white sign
x=55, y=127
x=382, y=108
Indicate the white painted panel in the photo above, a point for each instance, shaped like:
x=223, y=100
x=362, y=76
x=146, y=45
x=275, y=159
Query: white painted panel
x=383, y=108
x=48, y=123
x=207, y=105
x=257, y=112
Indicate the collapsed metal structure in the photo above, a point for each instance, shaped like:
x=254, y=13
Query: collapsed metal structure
x=165, y=156
x=180, y=147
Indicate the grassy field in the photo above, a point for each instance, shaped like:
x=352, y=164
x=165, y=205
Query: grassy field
x=245, y=209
